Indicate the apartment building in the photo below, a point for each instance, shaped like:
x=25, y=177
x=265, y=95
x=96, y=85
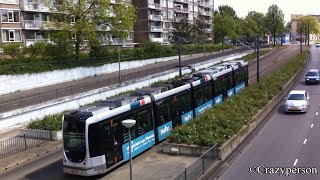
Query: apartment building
x=155, y=17
x=28, y=21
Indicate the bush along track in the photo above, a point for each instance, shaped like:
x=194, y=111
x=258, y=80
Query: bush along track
x=223, y=121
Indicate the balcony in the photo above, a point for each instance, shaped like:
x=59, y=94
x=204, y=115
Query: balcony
x=36, y=24
x=156, y=28
x=205, y=13
x=35, y=6
x=155, y=17
x=205, y=4
x=159, y=40
x=154, y=6
x=9, y=2
x=182, y=1
x=181, y=9
x=32, y=41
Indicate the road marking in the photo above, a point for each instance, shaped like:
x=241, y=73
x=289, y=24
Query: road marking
x=317, y=114
x=305, y=141
x=311, y=125
x=295, y=162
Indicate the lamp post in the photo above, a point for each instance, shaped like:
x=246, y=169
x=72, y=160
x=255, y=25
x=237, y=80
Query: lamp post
x=119, y=55
x=128, y=124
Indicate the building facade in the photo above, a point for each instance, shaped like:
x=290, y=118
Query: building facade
x=155, y=17
x=30, y=21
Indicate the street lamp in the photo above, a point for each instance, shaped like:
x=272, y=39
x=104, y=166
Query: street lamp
x=258, y=63
x=119, y=58
x=128, y=124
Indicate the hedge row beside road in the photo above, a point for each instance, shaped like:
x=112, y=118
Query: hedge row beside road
x=25, y=64
x=220, y=123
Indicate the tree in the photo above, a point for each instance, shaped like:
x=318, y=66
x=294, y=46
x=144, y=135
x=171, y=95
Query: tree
x=274, y=21
x=198, y=30
x=308, y=22
x=182, y=30
x=224, y=25
x=226, y=10
x=82, y=17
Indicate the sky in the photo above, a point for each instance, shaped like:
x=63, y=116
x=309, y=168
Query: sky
x=242, y=7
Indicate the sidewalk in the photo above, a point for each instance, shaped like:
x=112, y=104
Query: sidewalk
x=152, y=164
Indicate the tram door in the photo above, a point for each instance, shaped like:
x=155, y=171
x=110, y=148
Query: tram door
x=118, y=141
x=112, y=144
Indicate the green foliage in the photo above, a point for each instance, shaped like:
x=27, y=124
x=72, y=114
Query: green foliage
x=223, y=121
x=274, y=20
x=253, y=56
x=59, y=56
x=13, y=50
x=51, y=122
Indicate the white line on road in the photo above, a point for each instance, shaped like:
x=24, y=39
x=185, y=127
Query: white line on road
x=295, y=162
x=311, y=125
x=317, y=114
x=305, y=141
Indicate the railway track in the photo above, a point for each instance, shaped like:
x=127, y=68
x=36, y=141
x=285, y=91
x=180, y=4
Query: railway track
x=272, y=62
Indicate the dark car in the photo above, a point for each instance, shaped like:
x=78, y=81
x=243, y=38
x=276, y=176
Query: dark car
x=313, y=76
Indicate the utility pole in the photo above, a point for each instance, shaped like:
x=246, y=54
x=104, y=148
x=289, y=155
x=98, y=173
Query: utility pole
x=179, y=51
x=308, y=32
x=258, y=65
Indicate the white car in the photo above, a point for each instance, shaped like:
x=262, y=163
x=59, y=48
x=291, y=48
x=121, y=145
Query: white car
x=297, y=101
x=317, y=44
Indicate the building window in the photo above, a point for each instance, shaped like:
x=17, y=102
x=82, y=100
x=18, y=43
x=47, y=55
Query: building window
x=73, y=19
x=10, y=16
x=11, y=35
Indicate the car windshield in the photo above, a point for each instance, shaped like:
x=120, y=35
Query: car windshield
x=296, y=97
x=312, y=74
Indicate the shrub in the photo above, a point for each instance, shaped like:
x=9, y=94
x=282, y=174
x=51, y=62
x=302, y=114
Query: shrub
x=51, y=122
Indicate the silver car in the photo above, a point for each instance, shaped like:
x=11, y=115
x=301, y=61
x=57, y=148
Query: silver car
x=297, y=101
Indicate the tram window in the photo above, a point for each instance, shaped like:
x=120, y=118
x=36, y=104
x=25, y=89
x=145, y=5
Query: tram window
x=144, y=121
x=203, y=94
x=217, y=87
x=126, y=134
x=239, y=77
x=183, y=103
x=227, y=81
x=95, y=137
x=164, y=111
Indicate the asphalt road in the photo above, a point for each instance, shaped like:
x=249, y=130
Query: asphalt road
x=286, y=140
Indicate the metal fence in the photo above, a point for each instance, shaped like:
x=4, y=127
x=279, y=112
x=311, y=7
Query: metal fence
x=23, y=142
x=200, y=165
x=96, y=83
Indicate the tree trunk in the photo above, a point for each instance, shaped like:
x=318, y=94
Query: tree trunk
x=77, y=46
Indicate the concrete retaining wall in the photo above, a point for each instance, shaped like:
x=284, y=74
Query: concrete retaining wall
x=42, y=134
x=183, y=149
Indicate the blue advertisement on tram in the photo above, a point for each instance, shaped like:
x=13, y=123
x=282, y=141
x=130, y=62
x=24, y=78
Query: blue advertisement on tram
x=138, y=145
x=186, y=117
x=239, y=87
x=204, y=107
x=218, y=100
x=164, y=130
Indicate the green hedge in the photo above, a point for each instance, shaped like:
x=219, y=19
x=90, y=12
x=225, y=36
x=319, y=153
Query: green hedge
x=218, y=124
x=253, y=56
x=51, y=122
x=23, y=64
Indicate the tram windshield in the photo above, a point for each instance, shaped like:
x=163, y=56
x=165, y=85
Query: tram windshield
x=74, y=138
